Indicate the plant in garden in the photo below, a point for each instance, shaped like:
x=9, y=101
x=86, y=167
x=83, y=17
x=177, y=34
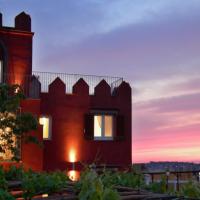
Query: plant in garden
x=3, y=182
x=131, y=179
x=91, y=187
x=14, y=173
x=14, y=125
x=39, y=183
x=158, y=187
x=110, y=178
x=4, y=195
x=190, y=190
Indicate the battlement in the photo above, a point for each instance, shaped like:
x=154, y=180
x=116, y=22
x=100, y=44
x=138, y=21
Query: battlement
x=47, y=78
x=22, y=23
x=42, y=82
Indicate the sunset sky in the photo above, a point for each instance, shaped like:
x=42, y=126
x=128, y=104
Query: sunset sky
x=152, y=44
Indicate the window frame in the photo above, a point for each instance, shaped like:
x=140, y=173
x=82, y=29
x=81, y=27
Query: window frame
x=103, y=114
x=49, y=128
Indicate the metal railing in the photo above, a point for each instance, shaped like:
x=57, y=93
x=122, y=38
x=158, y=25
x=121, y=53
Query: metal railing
x=46, y=78
x=39, y=81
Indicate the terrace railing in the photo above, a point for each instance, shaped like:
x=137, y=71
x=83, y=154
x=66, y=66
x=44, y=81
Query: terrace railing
x=31, y=87
x=46, y=78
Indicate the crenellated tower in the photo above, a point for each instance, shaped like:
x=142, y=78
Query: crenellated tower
x=16, y=50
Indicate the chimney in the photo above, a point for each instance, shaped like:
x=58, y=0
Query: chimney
x=23, y=22
x=1, y=20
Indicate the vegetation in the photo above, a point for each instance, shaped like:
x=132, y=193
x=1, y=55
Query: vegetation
x=190, y=190
x=94, y=187
x=133, y=178
x=32, y=183
x=5, y=195
x=91, y=185
x=40, y=183
x=3, y=182
x=158, y=187
x=14, y=125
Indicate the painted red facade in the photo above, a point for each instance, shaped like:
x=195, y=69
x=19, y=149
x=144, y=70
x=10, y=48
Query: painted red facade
x=72, y=114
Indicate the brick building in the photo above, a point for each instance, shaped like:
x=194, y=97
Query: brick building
x=82, y=118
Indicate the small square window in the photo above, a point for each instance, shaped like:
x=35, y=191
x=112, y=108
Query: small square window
x=103, y=127
x=46, y=122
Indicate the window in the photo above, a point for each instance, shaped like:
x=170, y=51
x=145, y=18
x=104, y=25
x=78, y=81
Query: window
x=103, y=127
x=46, y=122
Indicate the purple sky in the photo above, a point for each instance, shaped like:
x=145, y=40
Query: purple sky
x=153, y=44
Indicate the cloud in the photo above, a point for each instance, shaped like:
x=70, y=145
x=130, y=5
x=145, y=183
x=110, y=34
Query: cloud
x=135, y=39
x=137, y=52
x=167, y=129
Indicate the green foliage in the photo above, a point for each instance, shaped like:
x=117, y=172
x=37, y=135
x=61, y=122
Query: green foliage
x=158, y=187
x=9, y=98
x=133, y=179
x=33, y=183
x=4, y=195
x=110, y=194
x=109, y=178
x=39, y=183
x=92, y=188
x=14, y=173
x=14, y=125
x=190, y=190
x=3, y=182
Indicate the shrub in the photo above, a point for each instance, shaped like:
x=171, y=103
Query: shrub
x=14, y=173
x=39, y=183
x=132, y=179
x=158, y=187
x=4, y=195
x=190, y=190
x=91, y=187
x=3, y=182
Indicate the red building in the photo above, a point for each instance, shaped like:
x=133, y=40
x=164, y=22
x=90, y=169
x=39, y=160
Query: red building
x=83, y=118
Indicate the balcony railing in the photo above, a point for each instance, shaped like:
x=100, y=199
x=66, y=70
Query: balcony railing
x=32, y=89
x=46, y=78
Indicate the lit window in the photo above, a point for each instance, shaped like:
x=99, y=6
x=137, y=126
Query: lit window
x=103, y=127
x=46, y=122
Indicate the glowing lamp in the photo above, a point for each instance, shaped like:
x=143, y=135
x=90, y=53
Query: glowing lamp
x=73, y=175
x=72, y=156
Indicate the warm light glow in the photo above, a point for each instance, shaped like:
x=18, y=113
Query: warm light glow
x=108, y=126
x=45, y=195
x=45, y=121
x=16, y=90
x=103, y=126
x=72, y=156
x=74, y=175
x=97, y=126
x=8, y=129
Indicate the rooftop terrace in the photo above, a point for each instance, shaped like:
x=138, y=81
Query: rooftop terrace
x=46, y=78
x=31, y=82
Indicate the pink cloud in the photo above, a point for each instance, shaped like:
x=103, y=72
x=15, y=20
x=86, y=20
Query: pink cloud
x=167, y=129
